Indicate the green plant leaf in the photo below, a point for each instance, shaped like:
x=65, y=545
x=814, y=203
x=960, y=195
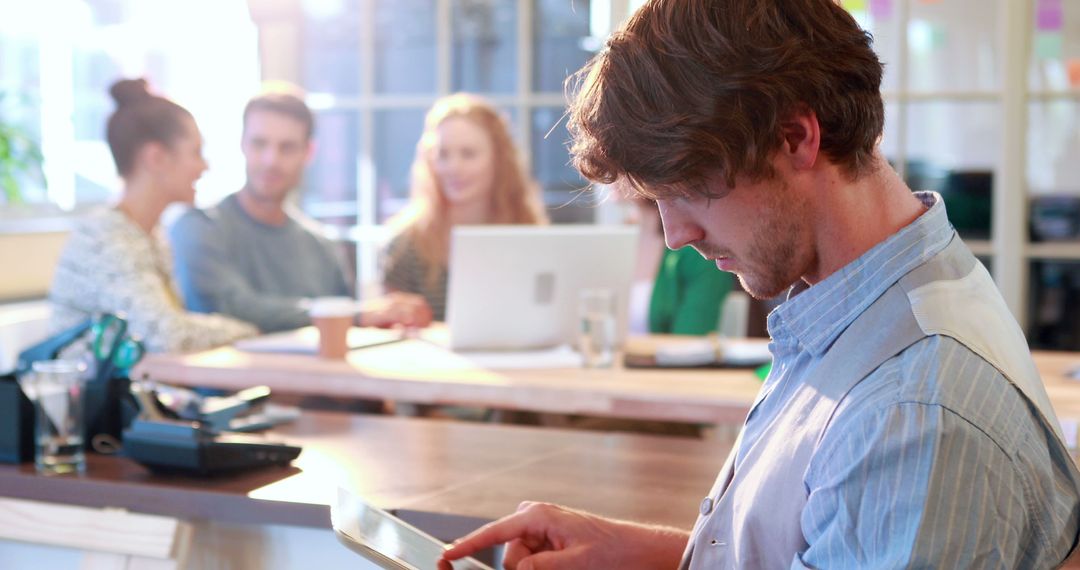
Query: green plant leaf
x=19, y=155
x=12, y=195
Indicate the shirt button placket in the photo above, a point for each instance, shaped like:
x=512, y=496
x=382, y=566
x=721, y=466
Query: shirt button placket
x=706, y=506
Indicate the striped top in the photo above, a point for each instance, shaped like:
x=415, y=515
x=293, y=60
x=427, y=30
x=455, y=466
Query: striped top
x=935, y=459
x=405, y=270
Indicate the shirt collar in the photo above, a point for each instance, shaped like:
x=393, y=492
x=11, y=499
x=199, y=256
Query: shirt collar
x=814, y=316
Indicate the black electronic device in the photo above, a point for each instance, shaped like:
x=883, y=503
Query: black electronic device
x=1055, y=218
x=245, y=411
x=16, y=422
x=178, y=446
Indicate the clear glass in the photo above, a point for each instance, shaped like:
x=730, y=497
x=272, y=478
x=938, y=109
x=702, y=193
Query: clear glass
x=953, y=46
x=890, y=137
x=953, y=148
x=56, y=387
x=485, y=45
x=596, y=340
x=19, y=55
x=396, y=134
x=1055, y=53
x=20, y=108
x=405, y=47
x=562, y=42
x=550, y=155
x=96, y=180
x=1053, y=145
x=330, y=184
x=882, y=19
x=1054, y=308
x=954, y=136
x=114, y=39
x=331, y=51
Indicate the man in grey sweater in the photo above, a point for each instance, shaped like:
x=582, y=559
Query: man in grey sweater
x=250, y=256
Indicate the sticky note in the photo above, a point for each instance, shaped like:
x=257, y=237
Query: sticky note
x=854, y=5
x=1048, y=45
x=937, y=37
x=1072, y=67
x=1049, y=16
x=881, y=9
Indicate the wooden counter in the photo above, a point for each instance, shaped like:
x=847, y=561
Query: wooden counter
x=457, y=469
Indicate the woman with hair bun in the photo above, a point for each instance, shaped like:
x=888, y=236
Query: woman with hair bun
x=115, y=260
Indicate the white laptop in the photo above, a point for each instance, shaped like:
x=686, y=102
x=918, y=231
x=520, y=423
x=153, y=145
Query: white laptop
x=516, y=287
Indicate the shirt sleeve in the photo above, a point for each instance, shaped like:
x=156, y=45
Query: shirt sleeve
x=133, y=287
x=210, y=283
x=882, y=496
x=340, y=267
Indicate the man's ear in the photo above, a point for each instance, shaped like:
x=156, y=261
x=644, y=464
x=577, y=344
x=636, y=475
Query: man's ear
x=311, y=147
x=802, y=139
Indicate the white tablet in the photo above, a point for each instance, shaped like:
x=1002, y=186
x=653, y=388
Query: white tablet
x=387, y=540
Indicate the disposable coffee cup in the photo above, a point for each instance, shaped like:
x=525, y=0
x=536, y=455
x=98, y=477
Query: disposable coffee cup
x=333, y=316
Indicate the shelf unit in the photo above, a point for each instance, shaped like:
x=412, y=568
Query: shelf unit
x=1034, y=251
x=1009, y=250
x=1056, y=251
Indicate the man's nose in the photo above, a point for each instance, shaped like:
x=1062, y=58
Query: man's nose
x=679, y=228
x=270, y=155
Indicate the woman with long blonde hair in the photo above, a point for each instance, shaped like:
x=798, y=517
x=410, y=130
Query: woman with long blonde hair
x=467, y=171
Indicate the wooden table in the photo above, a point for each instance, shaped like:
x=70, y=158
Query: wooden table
x=421, y=372
x=1064, y=391
x=446, y=477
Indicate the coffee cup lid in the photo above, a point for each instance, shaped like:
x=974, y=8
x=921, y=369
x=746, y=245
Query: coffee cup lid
x=333, y=307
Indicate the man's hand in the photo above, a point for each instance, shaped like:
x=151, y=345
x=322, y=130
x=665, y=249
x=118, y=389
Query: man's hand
x=396, y=308
x=542, y=536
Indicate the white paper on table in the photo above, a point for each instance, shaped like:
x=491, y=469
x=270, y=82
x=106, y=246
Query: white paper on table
x=710, y=350
x=306, y=340
x=744, y=351
x=558, y=357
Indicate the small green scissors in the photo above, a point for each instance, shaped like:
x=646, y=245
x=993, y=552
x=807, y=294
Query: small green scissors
x=113, y=348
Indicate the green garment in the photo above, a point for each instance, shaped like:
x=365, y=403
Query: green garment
x=688, y=294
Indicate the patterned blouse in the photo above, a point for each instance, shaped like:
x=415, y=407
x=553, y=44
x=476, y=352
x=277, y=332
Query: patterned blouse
x=110, y=264
x=405, y=270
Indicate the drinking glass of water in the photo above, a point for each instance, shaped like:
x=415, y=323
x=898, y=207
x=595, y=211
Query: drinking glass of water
x=56, y=387
x=596, y=339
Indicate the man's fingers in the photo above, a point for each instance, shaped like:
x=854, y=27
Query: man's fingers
x=553, y=560
x=498, y=532
x=515, y=552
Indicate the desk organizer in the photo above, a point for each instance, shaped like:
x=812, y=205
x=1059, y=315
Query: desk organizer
x=16, y=423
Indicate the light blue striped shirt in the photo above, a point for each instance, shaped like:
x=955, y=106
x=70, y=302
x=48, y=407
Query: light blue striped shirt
x=935, y=459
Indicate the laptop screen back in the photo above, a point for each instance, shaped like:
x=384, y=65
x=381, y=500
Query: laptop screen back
x=514, y=287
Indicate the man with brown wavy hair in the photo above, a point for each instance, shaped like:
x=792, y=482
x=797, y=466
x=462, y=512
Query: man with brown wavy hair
x=903, y=423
